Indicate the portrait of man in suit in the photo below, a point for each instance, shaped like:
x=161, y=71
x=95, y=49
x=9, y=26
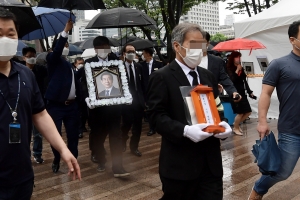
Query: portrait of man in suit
x=107, y=86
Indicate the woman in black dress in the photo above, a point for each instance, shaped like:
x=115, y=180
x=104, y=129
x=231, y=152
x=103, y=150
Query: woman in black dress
x=238, y=77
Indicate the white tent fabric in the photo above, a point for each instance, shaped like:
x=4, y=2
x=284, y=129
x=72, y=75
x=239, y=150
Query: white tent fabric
x=269, y=27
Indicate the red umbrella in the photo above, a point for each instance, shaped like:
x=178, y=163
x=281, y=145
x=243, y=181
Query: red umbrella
x=239, y=44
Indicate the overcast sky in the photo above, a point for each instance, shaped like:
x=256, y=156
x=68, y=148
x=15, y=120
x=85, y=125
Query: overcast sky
x=223, y=13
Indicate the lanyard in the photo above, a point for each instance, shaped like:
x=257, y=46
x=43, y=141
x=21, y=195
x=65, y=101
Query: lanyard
x=13, y=112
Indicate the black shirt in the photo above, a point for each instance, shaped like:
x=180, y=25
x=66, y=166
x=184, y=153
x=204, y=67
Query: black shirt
x=15, y=159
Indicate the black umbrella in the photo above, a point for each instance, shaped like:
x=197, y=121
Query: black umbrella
x=120, y=18
x=73, y=4
x=77, y=43
x=128, y=39
x=159, y=43
x=88, y=43
x=24, y=14
x=143, y=44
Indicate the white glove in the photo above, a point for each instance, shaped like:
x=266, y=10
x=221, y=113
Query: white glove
x=87, y=100
x=195, y=133
x=227, y=132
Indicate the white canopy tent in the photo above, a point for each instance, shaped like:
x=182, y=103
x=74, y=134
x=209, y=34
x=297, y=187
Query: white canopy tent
x=269, y=27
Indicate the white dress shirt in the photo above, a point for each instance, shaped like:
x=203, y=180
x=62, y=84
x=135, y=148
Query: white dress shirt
x=204, y=62
x=186, y=71
x=150, y=66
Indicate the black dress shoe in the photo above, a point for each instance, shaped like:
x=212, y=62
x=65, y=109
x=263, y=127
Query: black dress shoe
x=151, y=132
x=136, y=153
x=80, y=135
x=101, y=168
x=93, y=159
x=55, y=167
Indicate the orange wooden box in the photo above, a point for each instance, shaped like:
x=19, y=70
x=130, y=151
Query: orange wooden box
x=199, y=110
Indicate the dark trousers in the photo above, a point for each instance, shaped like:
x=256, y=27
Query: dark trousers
x=83, y=113
x=132, y=117
x=37, y=146
x=205, y=187
x=19, y=192
x=105, y=121
x=68, y=114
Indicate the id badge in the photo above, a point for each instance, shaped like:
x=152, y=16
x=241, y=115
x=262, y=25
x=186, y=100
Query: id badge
x=14, y=133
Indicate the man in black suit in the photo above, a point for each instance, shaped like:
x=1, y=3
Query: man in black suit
x=148, y=67
x=217, y=66
x=63, y=94
x=190, y=164
x=132, y=115
x=105, y=120
x=107, y=81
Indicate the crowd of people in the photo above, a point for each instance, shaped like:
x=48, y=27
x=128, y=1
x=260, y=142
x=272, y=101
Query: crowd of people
x=36, y=100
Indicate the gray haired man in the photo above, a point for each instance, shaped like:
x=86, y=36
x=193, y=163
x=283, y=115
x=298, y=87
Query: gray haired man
x=190, y=165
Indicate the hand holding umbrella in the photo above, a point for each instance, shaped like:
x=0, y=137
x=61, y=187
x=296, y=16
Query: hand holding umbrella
x=69, y=26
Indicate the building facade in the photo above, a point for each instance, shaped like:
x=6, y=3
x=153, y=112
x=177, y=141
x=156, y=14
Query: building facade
x=204, y=14
x=227, y=30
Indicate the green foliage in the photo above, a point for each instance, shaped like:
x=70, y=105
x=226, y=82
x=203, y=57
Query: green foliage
x=218, y=37
x=249, y=6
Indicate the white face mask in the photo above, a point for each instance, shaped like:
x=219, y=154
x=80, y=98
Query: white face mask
x=79, y=66
x=30, y=61
x=192, y=57
x=8, y=48
x=65, y=51
x=130, y=56
x=136, y=60
x=143, y=57
x=103, y=53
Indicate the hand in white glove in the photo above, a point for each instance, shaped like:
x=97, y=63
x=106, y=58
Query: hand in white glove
x=87, y=100
x=227, y=132
x=195, y=133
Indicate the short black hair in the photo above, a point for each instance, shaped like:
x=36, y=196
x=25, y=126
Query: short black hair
x=149, y=51
x=78, y=59
x=106, y=73
x=100, y=40
x=207, y=36
x=294, y=29
x=8, y=15
x=125, y=46
x=25, y=50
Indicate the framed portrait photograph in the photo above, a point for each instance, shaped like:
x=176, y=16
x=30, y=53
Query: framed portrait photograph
x=107, y=84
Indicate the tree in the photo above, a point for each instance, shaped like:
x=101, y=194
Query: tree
x=219, y=37
x=250, y=6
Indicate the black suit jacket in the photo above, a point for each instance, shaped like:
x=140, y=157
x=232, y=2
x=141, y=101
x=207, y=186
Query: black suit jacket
x=145, y=73
x=114, y=92
x=180, y=158
x=60, y=75
x=138, y=96
x=217, y=66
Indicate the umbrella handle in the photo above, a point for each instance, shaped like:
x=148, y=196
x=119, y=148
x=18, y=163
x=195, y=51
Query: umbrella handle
x=70, y=32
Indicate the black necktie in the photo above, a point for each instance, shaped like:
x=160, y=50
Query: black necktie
x=148, y=68
x=131, y=81
x=195, y=78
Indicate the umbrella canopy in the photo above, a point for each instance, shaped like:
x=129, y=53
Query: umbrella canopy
x=73, y=4
x=120, y=18
x=21, y=45
x=127, y=39
x=52, y=21
x=77, y=43
x=74, y=50
x=142, y=44
x=238, y=44
x=88, y=43
x=159, y=43
x=24, y=14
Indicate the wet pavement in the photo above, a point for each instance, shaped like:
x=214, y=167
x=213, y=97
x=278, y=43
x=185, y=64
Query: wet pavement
x=240, y=172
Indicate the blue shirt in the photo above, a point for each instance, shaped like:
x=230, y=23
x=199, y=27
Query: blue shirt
x=15, y=159
x=284, y=74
